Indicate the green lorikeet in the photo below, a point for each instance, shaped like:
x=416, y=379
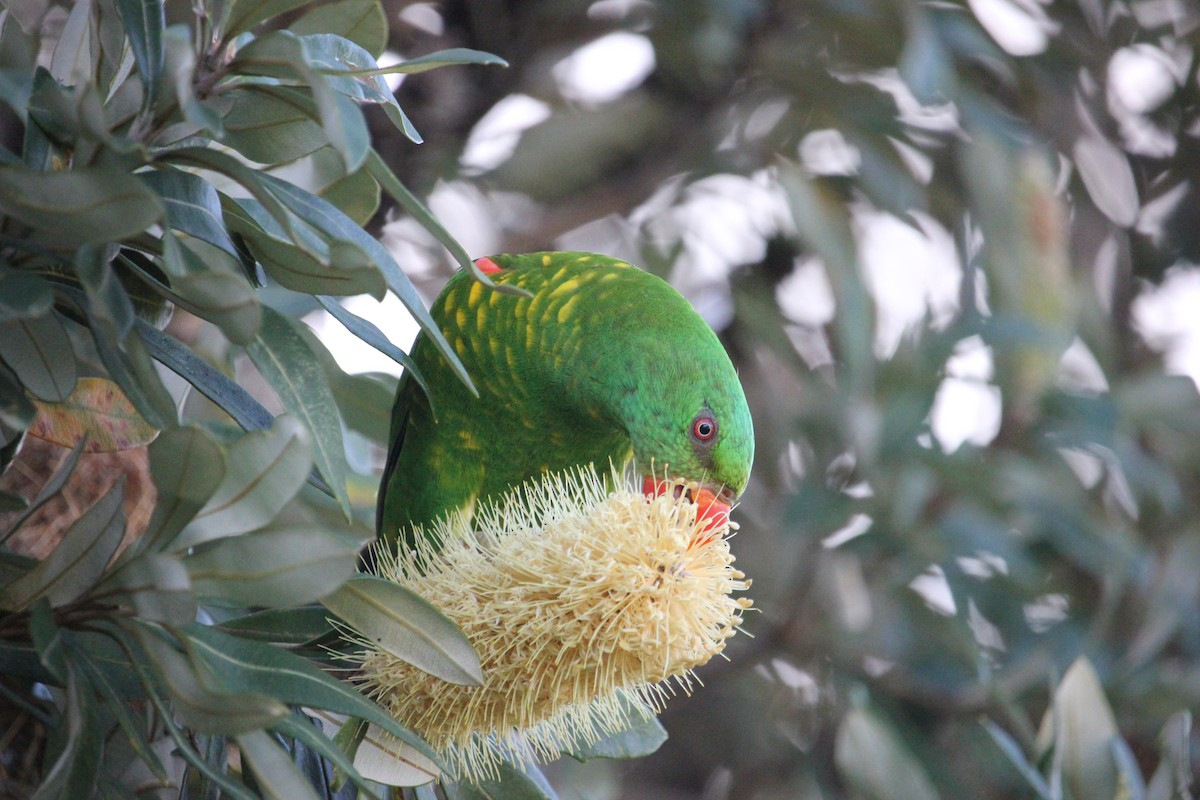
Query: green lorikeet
x=603, y=362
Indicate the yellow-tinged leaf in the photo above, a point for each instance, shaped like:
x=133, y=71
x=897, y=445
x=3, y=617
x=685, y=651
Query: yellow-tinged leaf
x=97, y=409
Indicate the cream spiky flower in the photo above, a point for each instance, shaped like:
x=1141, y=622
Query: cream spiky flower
x=582, y=604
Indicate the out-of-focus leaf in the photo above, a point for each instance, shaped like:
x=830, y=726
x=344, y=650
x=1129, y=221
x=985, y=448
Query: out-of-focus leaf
x=16, y=410
x=266, y=469
x=187, y=465
x=180, y=65
x=96, y=413
x=361, y=21
x=47, y=638
x=1013, y=751
x=1079, y=729
x=1173, y=778
x=246, y=666
x=90, y=204
x=1108, y=177
x=228, y=395
x=23, y=296
x=73, y=567
x=285, y=359
x=144, y=22
x=1130, y=781
x=408, y=627
x=525, y=782
x=365, y=401
x=356, y=195
x=192, y=205
x=875, y=762
x=203, y=709
x=276, y=567
x=281, y=625
x=39, y=351
x=48, y=491
x=74, y=57
x=278, y=778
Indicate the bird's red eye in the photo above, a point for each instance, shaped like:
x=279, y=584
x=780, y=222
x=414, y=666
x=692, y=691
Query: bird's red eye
x=704, y=428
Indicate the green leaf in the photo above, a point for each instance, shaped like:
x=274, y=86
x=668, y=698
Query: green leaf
x=276, y=567
x=187, y=466
x=34, y=348
x=289, y=626
x=366, y=401
x=108, y=302
x=442, y=58
x=90, y=204
x=245, y=666
x=23, y=296
x=266, y=469
x=158, y=588
x=242, y=15
x=76, y=767
x=129, y=364
x=304, y=731
x=361, y=21
x=74, y=566
x=278, y=778
x=192, y=205
x=49, y=490
x=180, y=66
x=1173, y=778
x=144, y=21
x=875, y=762
x=74, y=58
x=202, y=708
x=273, y=124
x=285, y=358
x=209, y=288
x=407, y=626
x=1013, y=751
x=369, y=333
x=228, y=395
x=47, y=639
x=643, y=737
x=514, y=783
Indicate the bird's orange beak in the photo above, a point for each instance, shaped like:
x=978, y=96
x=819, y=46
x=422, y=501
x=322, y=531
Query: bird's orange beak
x=711, y=506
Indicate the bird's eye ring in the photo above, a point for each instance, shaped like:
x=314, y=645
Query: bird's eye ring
x=704, y=428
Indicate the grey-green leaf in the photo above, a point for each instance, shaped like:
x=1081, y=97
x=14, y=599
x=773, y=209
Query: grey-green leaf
x=192, y=205
x=144, y=21
x=91, y=204
x=277, y=567
x=187, y=466
x=266, y=469
x=39, y=351
x=74, y=566
x=285, y=358
x=874, y=761
x=278, y=777
x=407, y=626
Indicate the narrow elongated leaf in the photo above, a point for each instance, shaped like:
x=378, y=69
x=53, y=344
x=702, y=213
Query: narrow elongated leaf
x=23, y=296
x=202, y=708
x=245, y=666
x=228, y=395
x=1081, y=727
x=47, y=638
x=379, y=756
x=442, y=58
x=39, y=351
x=266, y=469
x=129, y=364
x=276, y=567
x=285, y=359
x=408, y=627
x=108, y=302
x=97, y=414
x=187, y=466
x=180, y=68
x=1012, y=750
x=191, y=205
x=281, y=625
x=369, y=333
x=278, y=777
x=144, y=21
x=158, y=588
x=73, y=567
x=74, y=54
x=312, y=736
x=210, y=287
x=91, y=204
x=74, y=771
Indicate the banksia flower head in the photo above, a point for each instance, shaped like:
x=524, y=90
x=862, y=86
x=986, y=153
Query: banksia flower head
x=582, y=605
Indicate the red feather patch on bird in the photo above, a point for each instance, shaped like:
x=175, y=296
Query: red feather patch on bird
x=487, y=266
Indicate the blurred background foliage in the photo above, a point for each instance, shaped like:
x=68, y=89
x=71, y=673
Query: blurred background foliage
x=950, y=247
